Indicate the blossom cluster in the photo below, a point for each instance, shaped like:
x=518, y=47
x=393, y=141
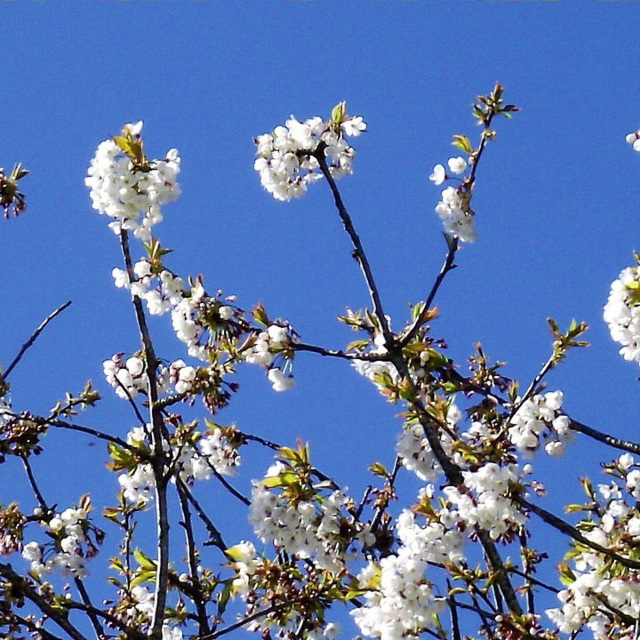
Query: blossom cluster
x=414, y=450
x=70, y=549
x=622, y=312
x=453, y=208
x=633, y=139
x=145, y=603
x=400, y=600
x=307, y=528
x=485, y=500
x=127, y=187
x=267, y=347
x=287, y=158
x=539, y=418
x=264, y=584
x=595, y=585
x=127, y=378
x=212, y=452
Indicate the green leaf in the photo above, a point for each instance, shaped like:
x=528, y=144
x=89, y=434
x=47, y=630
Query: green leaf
x=338, y=112
x=144, y=560
x=260, y=315
x=463, y=143
x=378, y=469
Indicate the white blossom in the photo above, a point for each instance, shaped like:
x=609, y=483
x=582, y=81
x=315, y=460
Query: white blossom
x=540, y=420
x=286, y=158
x=132, y=197
x=622, y=312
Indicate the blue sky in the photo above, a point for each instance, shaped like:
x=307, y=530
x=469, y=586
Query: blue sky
x=557, y=196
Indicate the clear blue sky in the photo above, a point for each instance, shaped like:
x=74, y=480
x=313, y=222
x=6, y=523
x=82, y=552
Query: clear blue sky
x=557, y=198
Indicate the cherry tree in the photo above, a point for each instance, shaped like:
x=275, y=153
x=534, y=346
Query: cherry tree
x=460, y=560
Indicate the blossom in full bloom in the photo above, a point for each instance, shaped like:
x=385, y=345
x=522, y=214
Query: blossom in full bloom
x=622, y=312
x=287, y=157
x=129, y=188
x=456, y=216
x=540, y=419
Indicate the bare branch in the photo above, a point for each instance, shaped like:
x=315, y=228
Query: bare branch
x=33, y=338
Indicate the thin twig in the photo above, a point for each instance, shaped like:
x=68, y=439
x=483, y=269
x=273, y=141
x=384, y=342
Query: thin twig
x=97, y=627
x=63, y=424
x=228, y=486
x=250, y=618
x=455, y=623
x=215, y=538
x=193, y=563
x=377, y=517
x=548, y=365
x=35, y=628
x=358, y=252
x=33, y=338
x=34, y=485
x=528, y=569
x=616, y=443
x=338, y=353
x=447, y=266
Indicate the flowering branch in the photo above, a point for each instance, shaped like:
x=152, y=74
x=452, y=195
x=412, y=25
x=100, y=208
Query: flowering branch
x=158, y=464
x=566, y=528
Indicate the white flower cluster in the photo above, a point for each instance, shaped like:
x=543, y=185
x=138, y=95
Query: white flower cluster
x=308, y=529
x=400, y=601
x=372, y=369
x=181, y=376
x=622, y=312
x=286, y=161
x=127, y=378
x=213, y=452
x=486, y=502
x=415, y=452
x=245, y=562
x=539, y=418
x=634, y=140
x=453, y=208
x=161, y=293
x=166, y=293
x=68, y=529
x=268, y=345
x=145, y=601
x=596, y=588
x=132, y=195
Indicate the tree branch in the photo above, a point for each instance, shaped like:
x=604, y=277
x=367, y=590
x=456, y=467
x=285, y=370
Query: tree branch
x=192, y=562
x=32, y=339
x=57, y=615
x=158, y=462
x=567, y=529
x=358, y=252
